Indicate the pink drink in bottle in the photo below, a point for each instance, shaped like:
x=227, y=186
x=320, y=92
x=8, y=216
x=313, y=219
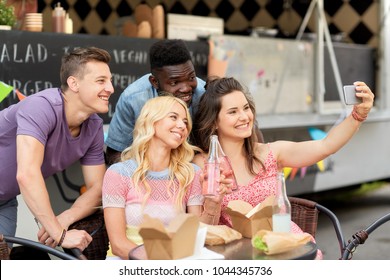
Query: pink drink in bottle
x=210, y=183
x=227, y=170
x=211, y=180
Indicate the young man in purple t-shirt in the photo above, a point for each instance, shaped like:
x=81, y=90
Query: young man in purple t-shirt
x=47, y=132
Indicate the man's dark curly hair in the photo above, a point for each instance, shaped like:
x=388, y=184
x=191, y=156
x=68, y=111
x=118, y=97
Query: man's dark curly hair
x=168, y=52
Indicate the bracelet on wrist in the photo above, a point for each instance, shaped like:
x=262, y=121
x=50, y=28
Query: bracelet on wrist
x=209, y=214
x=59, y=243
x=214, y=211
x=357, y=117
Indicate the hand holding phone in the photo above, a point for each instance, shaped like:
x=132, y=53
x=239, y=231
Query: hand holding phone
x=350, y=97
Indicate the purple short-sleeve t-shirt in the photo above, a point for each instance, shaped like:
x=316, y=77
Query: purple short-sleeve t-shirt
x=42, y=116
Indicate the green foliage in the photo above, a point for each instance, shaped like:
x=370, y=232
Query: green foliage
x=7, y=14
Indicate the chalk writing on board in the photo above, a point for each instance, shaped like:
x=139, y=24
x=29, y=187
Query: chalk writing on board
x=30, y=62
x=126, y=56
x=28, y=87
x=31, y=53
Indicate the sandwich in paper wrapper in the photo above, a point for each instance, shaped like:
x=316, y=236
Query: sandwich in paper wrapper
x=174, y=242
x=220, y=234
x=272, y=243
x=247, y=219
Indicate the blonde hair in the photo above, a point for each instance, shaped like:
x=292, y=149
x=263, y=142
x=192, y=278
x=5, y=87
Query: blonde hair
x=180, y=167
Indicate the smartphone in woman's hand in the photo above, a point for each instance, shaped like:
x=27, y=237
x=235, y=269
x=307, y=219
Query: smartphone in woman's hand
x=350, y=97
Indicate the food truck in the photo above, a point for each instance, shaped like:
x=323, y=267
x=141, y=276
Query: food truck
x=296, y=85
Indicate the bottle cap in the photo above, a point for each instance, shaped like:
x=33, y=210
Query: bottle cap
x=58, y=10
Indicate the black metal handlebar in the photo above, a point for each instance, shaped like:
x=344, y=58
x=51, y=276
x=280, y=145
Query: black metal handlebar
x=336, y=224
x=361, y=236
x=40, y=246
x=79, y=255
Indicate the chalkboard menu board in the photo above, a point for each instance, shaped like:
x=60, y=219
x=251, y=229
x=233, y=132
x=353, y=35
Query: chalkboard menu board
x=31, y=61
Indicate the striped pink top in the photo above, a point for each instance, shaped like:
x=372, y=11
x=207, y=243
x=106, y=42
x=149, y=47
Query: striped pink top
x=119, y=191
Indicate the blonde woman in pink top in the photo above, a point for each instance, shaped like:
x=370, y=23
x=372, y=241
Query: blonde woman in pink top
x=155, y=175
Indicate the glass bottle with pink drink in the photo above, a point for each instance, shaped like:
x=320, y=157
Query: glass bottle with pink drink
x=226, y=166
x=216, y=162
x=212, y=172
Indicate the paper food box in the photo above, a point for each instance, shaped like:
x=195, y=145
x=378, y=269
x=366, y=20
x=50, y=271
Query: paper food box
x=247, y=219
x=173, y=242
